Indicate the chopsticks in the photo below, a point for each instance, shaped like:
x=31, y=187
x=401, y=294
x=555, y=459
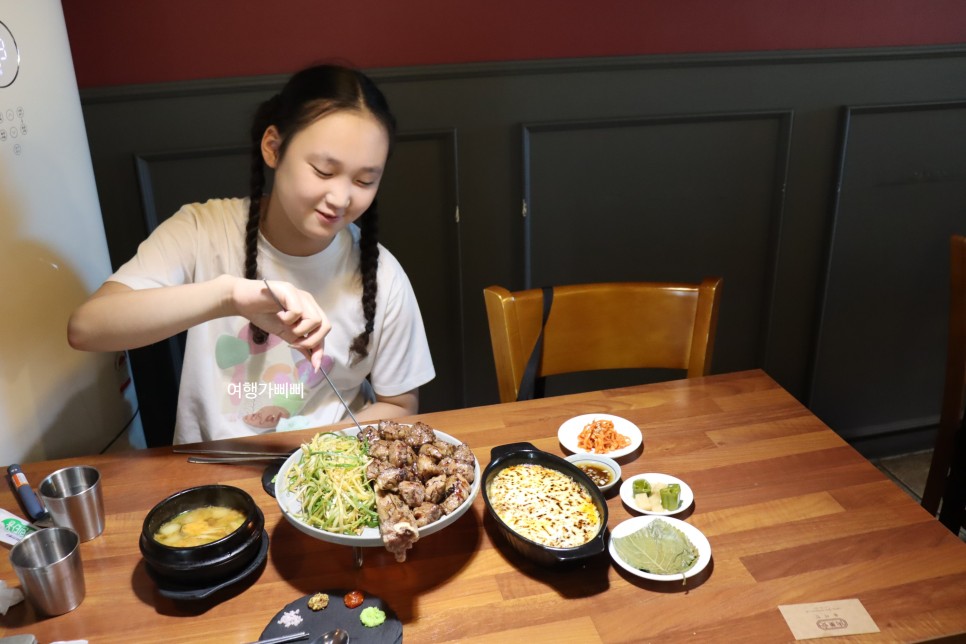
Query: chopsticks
x=232, y=452
x=291, y=637
x=230, y=456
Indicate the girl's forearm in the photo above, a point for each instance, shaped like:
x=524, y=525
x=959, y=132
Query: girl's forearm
x=117, y=317
x=381, y=411
x=386, y=407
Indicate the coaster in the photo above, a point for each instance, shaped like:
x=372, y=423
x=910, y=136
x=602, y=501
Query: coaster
x=828, y=619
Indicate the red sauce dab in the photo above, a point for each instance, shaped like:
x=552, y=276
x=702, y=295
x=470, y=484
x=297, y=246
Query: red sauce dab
x=353, y=599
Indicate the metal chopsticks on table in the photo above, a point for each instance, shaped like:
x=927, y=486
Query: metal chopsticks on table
x=231, y=452
x=230, y=456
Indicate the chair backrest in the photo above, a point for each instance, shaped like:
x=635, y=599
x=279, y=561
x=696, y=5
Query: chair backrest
x=612, y=325
x=954, y=391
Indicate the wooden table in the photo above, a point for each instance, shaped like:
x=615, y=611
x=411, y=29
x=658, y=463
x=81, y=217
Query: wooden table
x=793, y=514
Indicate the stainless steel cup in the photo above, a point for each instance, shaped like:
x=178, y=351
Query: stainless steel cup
x=73, y=497
x=48, y=564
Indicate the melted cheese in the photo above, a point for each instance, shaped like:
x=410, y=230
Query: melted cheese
x=544, y=505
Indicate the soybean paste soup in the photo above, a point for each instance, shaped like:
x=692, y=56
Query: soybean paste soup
x=199, y=526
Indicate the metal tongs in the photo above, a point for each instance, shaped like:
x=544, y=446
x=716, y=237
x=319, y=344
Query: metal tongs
x=327, y=379
x=241, y=456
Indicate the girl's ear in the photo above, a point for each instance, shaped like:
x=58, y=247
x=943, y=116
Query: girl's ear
x=271, y=142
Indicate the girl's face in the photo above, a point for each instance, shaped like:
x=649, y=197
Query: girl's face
x=327, y=178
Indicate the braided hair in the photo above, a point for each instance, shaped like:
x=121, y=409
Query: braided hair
x=308, y=96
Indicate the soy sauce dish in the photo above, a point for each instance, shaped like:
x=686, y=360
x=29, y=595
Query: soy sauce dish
x=602, y=470
x=587, y=502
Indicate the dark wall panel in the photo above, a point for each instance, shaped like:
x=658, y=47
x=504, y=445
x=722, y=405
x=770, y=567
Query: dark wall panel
x=881, y=346
x=418, y=224
x=670, y=199
x=167, y=180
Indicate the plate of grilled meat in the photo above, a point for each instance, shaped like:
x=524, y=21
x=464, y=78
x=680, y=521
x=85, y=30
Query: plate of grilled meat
x=387, y=485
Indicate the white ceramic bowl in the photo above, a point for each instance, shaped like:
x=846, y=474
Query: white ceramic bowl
x=370, y=537
x=627, y=493
x=570, y=431
x=602, y=461
x=694, y=535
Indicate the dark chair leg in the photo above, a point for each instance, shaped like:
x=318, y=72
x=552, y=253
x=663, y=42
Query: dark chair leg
x=952, y=514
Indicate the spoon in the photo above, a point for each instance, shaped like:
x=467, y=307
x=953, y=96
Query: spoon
x=336, y=636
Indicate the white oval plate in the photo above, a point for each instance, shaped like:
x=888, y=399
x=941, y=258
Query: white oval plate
x=570, y=430
x=693, y=534
x=370, y=537
x=627, y=493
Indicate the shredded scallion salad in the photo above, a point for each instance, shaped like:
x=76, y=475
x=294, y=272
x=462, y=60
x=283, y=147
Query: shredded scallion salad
x=330, y=484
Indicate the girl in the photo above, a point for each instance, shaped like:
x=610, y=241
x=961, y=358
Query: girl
x=212, y=268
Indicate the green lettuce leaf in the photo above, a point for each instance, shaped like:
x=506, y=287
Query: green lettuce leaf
x=657, y=548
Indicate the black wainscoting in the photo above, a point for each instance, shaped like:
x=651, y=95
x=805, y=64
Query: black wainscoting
x=823, y=187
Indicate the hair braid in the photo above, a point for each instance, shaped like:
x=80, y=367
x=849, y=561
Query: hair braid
x=256, y=188
x=368, y=266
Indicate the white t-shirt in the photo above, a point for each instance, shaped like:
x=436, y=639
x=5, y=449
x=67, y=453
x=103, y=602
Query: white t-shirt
x=233, y=387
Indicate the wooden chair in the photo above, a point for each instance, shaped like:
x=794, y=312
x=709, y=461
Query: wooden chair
x=946, y=481
x=603, y=326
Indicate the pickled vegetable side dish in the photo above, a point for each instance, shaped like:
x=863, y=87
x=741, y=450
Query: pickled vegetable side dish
x=656, y=497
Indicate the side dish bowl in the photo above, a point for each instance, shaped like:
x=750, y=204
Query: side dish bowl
x=598, y=461
x=212, y=562
x=627, y=493
x=695, y=536
x=504, y=456
x=569, y=432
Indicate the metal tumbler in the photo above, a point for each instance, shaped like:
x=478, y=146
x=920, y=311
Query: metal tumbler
x=73, y=498
x=48, y=564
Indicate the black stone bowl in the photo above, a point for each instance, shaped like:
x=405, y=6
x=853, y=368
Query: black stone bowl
x=503, y=456
x=212, y=562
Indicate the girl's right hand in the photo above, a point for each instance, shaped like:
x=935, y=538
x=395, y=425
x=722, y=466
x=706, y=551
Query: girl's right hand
x=303, y=324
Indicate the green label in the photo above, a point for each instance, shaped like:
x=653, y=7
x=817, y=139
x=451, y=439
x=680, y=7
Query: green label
x=17, y=528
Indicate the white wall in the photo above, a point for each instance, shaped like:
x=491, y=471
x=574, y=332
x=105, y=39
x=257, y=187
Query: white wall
x=54, y=401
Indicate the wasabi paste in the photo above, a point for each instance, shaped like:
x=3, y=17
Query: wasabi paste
x=372, y=617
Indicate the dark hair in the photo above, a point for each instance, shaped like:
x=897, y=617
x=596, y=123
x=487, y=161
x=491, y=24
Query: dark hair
x=308, y=96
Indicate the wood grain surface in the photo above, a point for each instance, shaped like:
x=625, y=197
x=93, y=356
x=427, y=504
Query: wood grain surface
x=793, y=514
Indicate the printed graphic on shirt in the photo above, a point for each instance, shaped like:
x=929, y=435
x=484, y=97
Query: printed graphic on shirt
x=264, y=383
